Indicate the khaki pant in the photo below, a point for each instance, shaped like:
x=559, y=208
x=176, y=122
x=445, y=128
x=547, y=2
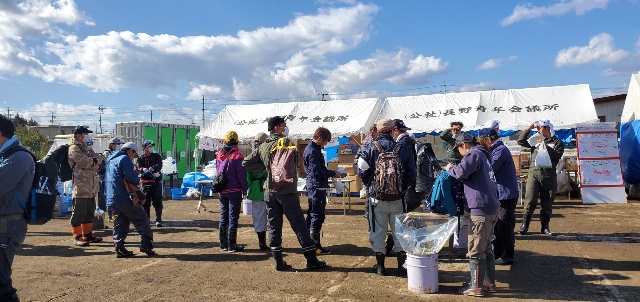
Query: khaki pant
x=480, y=233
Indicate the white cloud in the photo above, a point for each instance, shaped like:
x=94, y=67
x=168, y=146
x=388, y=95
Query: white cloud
x=162, y=97
x=482, y=86
x=599, y=50
x=200, y=91
x=494, y=63
x=32, y=19
x=528, y=12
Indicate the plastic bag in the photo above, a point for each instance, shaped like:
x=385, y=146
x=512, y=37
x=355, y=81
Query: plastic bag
x=193, y=193
x=543, y=160
x=424, y=233
x=339, y=186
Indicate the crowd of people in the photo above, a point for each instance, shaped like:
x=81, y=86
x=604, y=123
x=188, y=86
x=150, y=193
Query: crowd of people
x=481, y=169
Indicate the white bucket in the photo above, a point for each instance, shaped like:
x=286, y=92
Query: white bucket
x=246, y=206
x=422, y=273
x=461, y=237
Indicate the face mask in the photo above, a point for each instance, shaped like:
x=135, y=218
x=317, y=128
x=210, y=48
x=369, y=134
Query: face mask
x=86, y=138
x=151, y=150
x=286, y=131
x=118, y=147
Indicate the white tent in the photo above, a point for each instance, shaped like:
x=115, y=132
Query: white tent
x=516, y=109
x=342, y=118
x=631, y=110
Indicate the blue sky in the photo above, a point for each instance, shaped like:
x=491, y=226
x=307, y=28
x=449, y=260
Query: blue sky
x=67, y=58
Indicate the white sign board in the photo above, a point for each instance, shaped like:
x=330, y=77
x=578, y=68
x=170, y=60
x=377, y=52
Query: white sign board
x=599, y=163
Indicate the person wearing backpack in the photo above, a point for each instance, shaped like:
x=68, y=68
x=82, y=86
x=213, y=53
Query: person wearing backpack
x=388, y=170
x=120, y=172
x=542, y=179
x=317, y=183
x=373, y=133
x=256, y=194
x=282, y=200
x=16, y=176
x=85, y=164
x=482, y=200
x=229, y=162
x=504, y=170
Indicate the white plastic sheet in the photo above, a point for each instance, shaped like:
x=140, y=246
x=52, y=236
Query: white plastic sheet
x=424, y=233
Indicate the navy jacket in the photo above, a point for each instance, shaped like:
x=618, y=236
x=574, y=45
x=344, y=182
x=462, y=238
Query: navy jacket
x=16, y=172
x=317, y=173
x=370, y=155
x=479, y=184
x=119, y=167
x=504, y=170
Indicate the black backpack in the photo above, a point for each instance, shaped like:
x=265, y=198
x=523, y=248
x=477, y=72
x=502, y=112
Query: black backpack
x=40, y=203
x=428, y=168
x=60, y=157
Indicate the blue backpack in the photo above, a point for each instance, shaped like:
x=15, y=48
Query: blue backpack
x=441, y=199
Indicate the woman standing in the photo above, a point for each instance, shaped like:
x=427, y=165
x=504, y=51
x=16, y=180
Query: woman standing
x=229, y=162
x=257, y=197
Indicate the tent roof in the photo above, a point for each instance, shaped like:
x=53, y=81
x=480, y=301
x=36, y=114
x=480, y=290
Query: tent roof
x=631, y=110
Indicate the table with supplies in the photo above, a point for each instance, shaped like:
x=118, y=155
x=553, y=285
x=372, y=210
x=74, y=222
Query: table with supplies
x=203, y=183
x=345, y=193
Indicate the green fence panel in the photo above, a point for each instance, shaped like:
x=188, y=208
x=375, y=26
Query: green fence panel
x=182, y=154
x=166, y=142
x=150, y=132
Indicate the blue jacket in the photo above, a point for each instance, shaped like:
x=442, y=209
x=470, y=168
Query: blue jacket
x=16, y=176
x=317, y=173
x=370, y=155
x=504, y=170
x=479, y=183
x=119, y=167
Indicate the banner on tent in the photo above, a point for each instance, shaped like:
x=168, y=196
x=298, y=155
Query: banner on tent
x=210, y=143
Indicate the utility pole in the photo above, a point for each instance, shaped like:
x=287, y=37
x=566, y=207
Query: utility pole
x=202, y=112
x=151, y=115
x=52, y=117
x=8, y=112
x=100, y=108
x=445, y=87
x=322, y=95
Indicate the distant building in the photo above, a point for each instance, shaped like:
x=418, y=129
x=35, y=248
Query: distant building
x=50, y=131
x=609, y=108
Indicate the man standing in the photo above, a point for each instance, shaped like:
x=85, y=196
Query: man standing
x=406, y=141
x=449, y=136
x=482, y=200
x=283, y=201
x=505, y=173
x=120, y=170
x=386, y=189
x=150, y=167
x=16, y=176
x=85, y=164
x=541, y=180
x=317, y=183
x=114, y=146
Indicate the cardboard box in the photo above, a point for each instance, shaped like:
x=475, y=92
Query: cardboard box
x=355, y=185
x=333, y=166
x=346, y=158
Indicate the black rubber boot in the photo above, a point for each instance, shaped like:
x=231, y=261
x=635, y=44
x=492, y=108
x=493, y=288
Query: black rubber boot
x=159, y=217
x=224, y=238
x=379, y=266
x=312, y=261
x=262, y=241
x=544, y=221
x=524, y=228
x=280, y=264
x=233, y=235
x=315, y=235
x=402, y=257
x=122, y=252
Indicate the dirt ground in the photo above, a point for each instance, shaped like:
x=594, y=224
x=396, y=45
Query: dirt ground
x=594, y=257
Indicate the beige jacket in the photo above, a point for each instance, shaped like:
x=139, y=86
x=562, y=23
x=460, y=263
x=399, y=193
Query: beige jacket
x=85, y=164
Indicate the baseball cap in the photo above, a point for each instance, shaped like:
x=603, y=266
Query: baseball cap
x=401, y=126
x=130, y=145
x=261, y=137
x=465, y=137
x=231, y=136
x=82, y=129
x=492, y=124
x=115, y=140
x=147, y=143
x=385, y=125
x=488, y=132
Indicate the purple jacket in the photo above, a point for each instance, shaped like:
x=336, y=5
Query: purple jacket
x=505, y=171
x=236, y=173
x=479, y=184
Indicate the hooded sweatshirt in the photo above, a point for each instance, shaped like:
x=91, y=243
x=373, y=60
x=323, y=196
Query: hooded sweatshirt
x=235, y=173
x=479, y=183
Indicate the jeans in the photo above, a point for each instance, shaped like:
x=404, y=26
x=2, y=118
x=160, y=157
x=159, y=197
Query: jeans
x=317, y=205
x=230, y=209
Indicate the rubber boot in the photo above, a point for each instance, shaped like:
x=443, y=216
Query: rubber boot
x=224, y=238
x=315, y=235
x=525, y=224
x=489, y=284
x=76, y=233
x=402, y=257
x=379, y=266
x=233, y=247
x=280, y=265
x=87, y=233
x=159, y=217
x=262, y=241
x=122, y=252
x=474, y=287
x=312, y=261
x=544, y=221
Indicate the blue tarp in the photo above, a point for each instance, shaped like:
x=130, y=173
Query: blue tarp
x=630, y=151
x=189, y=179
x=565, y=135
x=332, y=152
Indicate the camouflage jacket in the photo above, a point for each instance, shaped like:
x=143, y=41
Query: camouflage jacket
x=84, y=163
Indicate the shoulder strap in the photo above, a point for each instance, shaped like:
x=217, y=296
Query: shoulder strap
x=226, y=161
x=377, y=145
